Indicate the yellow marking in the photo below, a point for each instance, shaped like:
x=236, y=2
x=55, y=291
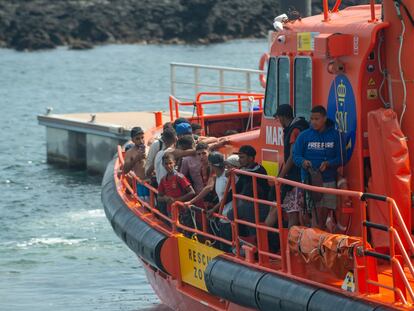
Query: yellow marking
x=194, y=258
x=372, y=93
x=349, y=282
x=272, y=168
x=371, y=82
x=306, y=41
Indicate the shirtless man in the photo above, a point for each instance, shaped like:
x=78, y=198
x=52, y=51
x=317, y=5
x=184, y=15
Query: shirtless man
x=135, y=160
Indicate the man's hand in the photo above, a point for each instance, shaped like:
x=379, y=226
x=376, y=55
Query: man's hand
x=306, y=164
x=324, y=166
x=169, y=200
x=210, y=213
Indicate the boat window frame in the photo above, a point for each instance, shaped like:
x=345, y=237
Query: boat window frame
x=271, y=59
x=276, y=59
x=290, y=81
x=311, y=85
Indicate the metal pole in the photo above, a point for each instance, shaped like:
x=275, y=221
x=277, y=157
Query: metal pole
x=221, y=74
x=196, y=81
x=172, y=79
x=248, y=83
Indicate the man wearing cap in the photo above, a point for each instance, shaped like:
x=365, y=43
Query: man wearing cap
x=292, y=197
x=135, y=160
x=244, y=186
x=183, y=129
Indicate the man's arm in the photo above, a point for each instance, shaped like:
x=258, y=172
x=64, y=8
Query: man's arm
x=288, y=165
x=218, y=144
x=340, y=152
x=131, y=159
x=208, y=139
x=178, y=153
x=206, y=190
x=149, y=164
x=190, y=193
x=298, y=151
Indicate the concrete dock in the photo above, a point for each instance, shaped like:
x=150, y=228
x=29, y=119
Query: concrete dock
x=89, y=140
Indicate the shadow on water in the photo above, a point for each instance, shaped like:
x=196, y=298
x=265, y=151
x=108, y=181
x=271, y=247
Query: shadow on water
x=156, y=308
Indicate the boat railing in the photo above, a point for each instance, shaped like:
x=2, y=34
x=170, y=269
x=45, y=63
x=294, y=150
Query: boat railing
x=366, y=275
x=327, y=11
x=218, y=78
x=130, y=181
x=398, y=256
x=237, y=100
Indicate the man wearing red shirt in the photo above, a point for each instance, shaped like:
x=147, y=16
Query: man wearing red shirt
x=174, y=186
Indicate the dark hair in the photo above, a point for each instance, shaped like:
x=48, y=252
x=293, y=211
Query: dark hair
x=216, y=159
x=186, y=142
x=168, y=135
x=319, y=109
x=195, y=126
x=284, y=111
x=136, y=131
x=168, y=156
x=248, y=150
x=201, y=146
x=179, y=121
x=167, y=125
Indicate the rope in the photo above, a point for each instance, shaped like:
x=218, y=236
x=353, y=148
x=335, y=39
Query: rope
x=341, y=130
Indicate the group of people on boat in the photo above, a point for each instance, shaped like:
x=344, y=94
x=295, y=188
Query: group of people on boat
x=185, y=166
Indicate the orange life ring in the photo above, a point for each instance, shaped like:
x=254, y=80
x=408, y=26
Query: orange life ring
x=263, y=61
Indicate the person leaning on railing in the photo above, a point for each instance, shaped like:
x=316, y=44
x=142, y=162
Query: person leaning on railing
x=244, y=186
x=135, y=160
x=320, y=148
x=173, y=186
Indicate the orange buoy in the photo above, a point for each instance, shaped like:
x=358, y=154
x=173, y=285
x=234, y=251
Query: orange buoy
x=263, y=61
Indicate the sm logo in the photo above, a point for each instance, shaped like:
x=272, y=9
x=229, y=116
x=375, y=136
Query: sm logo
x=274, y=135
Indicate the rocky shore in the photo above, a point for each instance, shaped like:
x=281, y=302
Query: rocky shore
x=79, y=24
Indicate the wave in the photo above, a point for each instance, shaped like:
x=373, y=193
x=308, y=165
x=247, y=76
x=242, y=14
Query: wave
x=95, y=213
x=49, y=242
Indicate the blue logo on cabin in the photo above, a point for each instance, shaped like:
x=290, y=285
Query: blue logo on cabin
x=342, y=110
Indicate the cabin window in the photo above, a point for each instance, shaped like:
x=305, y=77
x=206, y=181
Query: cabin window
x=271, y=89
x=303, y=86
x=283, y=75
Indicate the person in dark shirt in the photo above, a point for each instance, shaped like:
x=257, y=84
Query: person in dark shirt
x=244, y=186
x=291, y=197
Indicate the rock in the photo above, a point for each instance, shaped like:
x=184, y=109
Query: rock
x=80, y=45
x=44, y=24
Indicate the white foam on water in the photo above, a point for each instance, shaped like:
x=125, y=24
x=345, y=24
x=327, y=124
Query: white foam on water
x=95, y=213
x=49, y=241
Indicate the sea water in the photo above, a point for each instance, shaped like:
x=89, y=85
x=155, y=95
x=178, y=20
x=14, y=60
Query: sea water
x=57, y=249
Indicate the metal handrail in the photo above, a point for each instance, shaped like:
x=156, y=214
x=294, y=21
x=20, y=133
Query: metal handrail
x=189, y=65
x=237, y=98
x=221, y=70
x=262, y=249
x=338, y=3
